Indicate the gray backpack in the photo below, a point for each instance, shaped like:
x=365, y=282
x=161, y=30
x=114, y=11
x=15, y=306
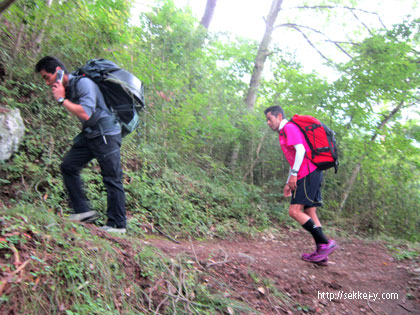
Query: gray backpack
x=123, y=92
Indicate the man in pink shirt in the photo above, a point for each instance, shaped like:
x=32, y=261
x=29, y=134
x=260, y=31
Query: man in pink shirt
x=303, y=183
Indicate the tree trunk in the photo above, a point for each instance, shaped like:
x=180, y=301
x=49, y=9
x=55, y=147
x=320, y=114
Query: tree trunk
x=258, y=67
x=256, y=160
x=5, y=4
x=19, y=38
x=208, y=13
x=350, y=184
x=356, y=170
x=38, y=39
x=262, y=54
x=235, y=155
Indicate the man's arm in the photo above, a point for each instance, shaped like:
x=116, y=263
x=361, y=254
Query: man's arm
x=76, y=109
x=86, y=97
x=300, y=154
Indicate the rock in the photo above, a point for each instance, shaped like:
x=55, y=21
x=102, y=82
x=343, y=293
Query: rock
x=248, y=257
x=12, y=130
x=261, y=290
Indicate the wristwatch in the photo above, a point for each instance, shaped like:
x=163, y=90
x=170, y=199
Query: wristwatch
x=294, y=173
x=61, y=100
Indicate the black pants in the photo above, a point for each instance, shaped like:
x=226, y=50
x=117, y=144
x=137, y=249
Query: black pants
x=108, y=156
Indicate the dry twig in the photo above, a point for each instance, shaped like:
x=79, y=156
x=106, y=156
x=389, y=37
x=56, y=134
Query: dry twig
x=408, y=310
x=371, y=307
x=226, y=260
x=166, y=235
x=186, y=300
x=5, y=280
x=345, y=8
x=299, y=28
x=195, y=254
x=15, y=254
x=271, y=303
x=160, y=304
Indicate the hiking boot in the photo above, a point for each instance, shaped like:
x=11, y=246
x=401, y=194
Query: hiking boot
x=87, y=216
x=323, y=250
x=307, y=257
x=111, y=229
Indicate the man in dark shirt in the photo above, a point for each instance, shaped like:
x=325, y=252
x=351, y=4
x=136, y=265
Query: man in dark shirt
x=100, y=138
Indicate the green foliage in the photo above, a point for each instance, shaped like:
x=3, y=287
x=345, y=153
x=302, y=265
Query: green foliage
x=403, y=252
x=180, y=174
x=191, y=200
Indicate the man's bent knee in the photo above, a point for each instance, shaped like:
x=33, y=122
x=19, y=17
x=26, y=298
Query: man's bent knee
x=68, y=168
x=294, y=211
x=310, y=210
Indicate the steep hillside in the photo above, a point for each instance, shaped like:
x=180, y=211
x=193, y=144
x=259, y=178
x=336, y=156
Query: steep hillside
x=52, y=266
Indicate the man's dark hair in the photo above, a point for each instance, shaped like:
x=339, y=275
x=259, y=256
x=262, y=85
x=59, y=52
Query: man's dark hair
x=49, y=64
x=275, y=111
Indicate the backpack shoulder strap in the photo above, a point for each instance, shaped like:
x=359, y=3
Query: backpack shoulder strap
x=72, y=88
x=283, y=130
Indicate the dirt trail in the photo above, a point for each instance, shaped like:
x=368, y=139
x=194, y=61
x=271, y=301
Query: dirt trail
x=270, y=276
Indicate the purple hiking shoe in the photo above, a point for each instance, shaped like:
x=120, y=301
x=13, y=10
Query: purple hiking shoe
x=307, y=257
x=323, y=250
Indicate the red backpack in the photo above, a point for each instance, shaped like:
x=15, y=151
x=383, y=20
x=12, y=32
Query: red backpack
x=321, y=141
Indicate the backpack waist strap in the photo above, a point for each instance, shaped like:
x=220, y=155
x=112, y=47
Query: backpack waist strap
x=95, y=124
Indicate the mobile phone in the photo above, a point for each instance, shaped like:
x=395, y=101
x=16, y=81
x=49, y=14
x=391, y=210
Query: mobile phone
x=60, y=75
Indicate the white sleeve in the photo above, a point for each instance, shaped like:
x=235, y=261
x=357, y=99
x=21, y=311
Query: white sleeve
x=300, y=154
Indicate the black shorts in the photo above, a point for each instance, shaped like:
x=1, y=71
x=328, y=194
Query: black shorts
x=308, y=192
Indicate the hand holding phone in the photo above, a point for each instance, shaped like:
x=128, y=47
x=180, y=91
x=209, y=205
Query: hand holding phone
x=60, y=75
x=58, y=88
